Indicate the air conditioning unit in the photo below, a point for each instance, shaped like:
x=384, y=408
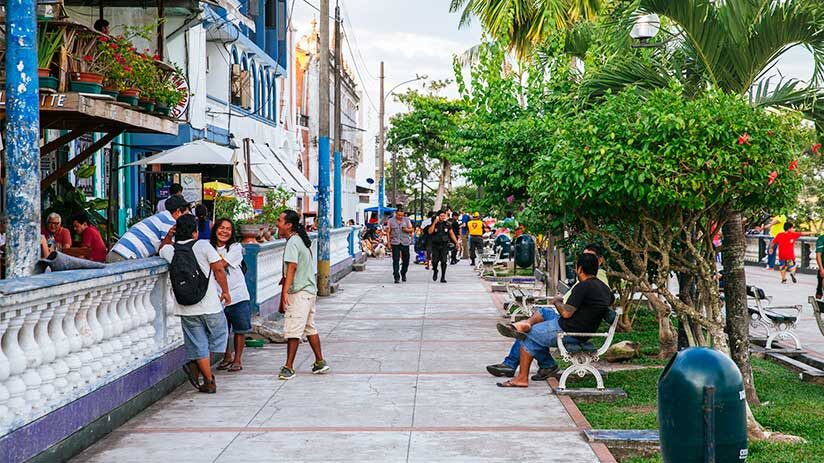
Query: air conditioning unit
x=241, y=87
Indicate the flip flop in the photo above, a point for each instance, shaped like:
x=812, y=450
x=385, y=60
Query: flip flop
x=224, y=364
x=509, y=384
x=192, y=373
x=508, y=330
x=234, y=368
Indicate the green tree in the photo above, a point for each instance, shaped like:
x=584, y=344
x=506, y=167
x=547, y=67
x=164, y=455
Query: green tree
x=522, y=24
x=427, y=131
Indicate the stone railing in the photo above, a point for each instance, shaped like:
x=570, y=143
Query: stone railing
x=804, y=251
x=67, y=334
x=264, y=264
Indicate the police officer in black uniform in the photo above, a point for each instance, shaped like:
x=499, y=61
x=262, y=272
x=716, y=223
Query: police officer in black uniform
x=440, y=235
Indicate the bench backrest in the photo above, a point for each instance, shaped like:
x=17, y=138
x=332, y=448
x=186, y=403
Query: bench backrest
x=756, y=293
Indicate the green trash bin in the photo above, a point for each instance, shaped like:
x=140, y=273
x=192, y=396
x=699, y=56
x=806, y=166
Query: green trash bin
x=524, y=251
x=504, y=245
x=702, y=409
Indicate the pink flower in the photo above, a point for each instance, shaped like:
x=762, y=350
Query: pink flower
x=744, y=139
x=793, y=165
x=156, y=57
x=510, y=199
x=127, y=68
x=113, y=46
x=816, y=147
x=773, y=176
x=88, y=58
x=103, y=38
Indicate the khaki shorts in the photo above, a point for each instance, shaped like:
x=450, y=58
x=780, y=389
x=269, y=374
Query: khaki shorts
x=299, y=319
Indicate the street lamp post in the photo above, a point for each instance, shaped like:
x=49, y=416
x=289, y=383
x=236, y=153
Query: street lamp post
x=381, y=135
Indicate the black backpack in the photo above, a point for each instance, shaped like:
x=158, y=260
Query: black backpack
x=189, y=284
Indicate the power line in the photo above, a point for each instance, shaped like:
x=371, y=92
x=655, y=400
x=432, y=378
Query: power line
x=355, y=39
x=357, y=71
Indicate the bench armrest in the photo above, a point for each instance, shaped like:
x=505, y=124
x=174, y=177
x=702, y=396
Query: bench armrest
x=787, y=308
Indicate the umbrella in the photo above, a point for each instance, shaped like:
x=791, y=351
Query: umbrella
x=383, y=209
x=211, y=189
x=192, y=153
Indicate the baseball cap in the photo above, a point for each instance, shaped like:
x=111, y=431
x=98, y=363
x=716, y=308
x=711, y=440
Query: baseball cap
x=175, y=202
x=475, y=214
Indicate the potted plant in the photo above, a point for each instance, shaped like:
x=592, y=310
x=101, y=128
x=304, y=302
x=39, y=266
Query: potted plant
x=275, y=203
x=86, y=70
x=117, y=56
x=48, y=42
x=167, y=95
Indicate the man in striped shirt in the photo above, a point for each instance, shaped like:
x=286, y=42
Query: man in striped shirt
x=143, y=239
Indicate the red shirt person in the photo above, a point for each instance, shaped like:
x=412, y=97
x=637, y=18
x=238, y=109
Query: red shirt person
x=785, y=242
x=57, y=236
x=90, y=238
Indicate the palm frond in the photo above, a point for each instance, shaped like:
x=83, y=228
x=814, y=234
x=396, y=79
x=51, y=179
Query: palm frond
x=624, y=73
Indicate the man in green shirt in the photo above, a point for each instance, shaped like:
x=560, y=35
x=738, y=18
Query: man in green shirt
x=298, y=295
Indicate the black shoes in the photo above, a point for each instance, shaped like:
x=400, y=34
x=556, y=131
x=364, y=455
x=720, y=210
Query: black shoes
x=443, y=280
x=792, y=275
x=500, y=369
x=397, y=281
x=544, y=374
x=435, y=275
x=403, y=277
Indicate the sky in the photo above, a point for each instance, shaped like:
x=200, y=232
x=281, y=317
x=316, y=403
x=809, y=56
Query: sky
x=421, y=37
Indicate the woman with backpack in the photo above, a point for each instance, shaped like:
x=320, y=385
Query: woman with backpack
x=239, y=314
x=196, y=273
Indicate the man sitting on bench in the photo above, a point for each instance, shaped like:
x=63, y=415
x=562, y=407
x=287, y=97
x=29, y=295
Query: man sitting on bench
x=589, y=301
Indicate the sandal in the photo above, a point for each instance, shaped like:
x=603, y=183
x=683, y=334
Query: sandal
x=235, y=367
x=508, y=330
x=192, y=373
x=224, y=364
x=509, y=384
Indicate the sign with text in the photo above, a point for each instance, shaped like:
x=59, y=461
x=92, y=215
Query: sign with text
x=47, y=101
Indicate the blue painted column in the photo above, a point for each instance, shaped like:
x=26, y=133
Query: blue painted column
x=22, y=139
x=324, y=264
x=380, y=201
x=338, y=190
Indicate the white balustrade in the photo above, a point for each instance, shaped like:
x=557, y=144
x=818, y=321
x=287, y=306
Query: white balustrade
x=63, y=335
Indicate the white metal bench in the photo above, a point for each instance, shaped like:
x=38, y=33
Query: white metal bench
x=583, y=354
x=778, y=321
x=523, y=297
x=818, y=312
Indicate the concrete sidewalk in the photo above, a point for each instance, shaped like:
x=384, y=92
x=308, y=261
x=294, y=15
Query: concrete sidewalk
x=407, y=385
x=792, y=294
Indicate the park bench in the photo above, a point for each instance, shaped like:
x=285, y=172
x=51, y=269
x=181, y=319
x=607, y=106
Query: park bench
x=490, y=258
x=778, y=321
x=582, y=354
x=818, y=312
x=522, y=297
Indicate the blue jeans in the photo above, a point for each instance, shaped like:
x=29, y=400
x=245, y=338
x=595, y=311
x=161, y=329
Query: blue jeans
x=771, y=256
x=539, y=339
x=203, y=334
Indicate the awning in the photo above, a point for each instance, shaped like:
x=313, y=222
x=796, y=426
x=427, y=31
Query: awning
x=303, y=183
x=192, y=153
x=268, y=171
x=383, y=209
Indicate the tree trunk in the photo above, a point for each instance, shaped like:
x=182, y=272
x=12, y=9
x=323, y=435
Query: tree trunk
x=667, y=336
x=446, y=172
x=735, y=296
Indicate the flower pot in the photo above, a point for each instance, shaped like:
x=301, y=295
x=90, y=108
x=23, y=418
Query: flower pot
x=162, y=110
x=84, y=87
x=43, y=72
x=48, y=82
x=130, y=92
x=249, y=232
x=147, y=105
x=91, y=77
x=112, y=92
x=132, y=100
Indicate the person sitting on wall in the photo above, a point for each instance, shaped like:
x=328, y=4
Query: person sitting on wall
x=143, y=239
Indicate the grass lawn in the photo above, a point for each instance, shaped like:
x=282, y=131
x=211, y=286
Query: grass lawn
x=790, y=406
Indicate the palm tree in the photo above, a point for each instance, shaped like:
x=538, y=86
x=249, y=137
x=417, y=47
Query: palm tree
x=523, y=23
x=732, y=46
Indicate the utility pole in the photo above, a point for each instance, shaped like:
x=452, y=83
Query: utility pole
x=338, y=215
x=22, y=139
x=324, y=265
x=381, y=144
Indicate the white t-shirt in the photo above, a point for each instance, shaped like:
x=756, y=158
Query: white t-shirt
x=234, y=272
x=205, y=255
x=161, y=205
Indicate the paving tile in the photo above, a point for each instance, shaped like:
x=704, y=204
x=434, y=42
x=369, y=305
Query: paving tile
x=366, y=330
x=439, y=357
x=494, y=447
x=340, y=447
x=366, y=357
x=341, y=400
x=475, y=400
x=439, y=330
x=185, y=447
